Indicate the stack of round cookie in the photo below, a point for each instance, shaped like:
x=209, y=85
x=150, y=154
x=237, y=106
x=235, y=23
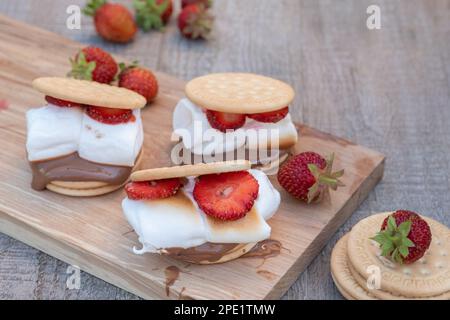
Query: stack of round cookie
x=361, y=273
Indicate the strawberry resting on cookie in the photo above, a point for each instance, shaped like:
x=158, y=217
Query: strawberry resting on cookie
x=87, y=139
x=204, y=213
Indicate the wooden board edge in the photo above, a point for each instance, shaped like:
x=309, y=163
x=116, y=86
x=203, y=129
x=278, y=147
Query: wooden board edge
x=62, y=251
x=317, y=245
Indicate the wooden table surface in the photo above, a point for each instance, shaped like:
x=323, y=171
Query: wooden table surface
x=387, y=89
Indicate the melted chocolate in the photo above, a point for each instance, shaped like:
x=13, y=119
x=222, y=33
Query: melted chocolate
x=211, y=252
x=265, y=249
x=73, y=168
x=172, y=273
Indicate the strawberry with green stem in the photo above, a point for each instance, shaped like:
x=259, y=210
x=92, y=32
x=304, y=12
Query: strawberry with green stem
x=207, y=3
x=138, y=79
x=113, y=21
x=404, y=237
x=93, y=64
x=152, y=14
x=308, y=175
x=195, y=22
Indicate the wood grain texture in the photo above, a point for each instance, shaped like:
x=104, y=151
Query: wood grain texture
x=386, y=89
x=94, y=233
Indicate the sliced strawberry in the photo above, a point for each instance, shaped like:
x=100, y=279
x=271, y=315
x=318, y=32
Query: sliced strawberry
x=226, y=196
x=109, y=115
x=62, y=103
x=152, y=190
x=270, y=117
x=225, y=121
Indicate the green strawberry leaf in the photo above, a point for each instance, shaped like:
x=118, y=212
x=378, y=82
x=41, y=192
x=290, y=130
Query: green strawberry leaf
x=405, y=228
x=391, y=225
x=149, y=13
x=313, y=192
x=81, y=69
x=408, y=243
x=92, y=6
x=387, y=248
x=314, y=170
x=380, y=238
x=403, y=251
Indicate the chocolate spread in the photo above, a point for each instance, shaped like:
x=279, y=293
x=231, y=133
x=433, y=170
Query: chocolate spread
x=172, y=273
x=213, y=252
x=73, y=168
x=265, y=249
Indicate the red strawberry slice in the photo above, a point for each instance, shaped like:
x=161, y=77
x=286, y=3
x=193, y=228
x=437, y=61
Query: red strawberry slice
x=225, y=121
x=109, y=115
x=226, y=196
x=270, y=117
x=152, y=190
x=62, y=103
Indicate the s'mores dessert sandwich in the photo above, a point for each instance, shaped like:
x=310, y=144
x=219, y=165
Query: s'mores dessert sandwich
x=87, y=139
x=204, y=213
x=228, y=111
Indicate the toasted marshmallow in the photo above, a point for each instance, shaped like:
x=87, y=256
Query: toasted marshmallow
x=117, y=144
x=52, y=132
x=55, y=131
x=178, y=222
x=156, y=221
x=191, y=123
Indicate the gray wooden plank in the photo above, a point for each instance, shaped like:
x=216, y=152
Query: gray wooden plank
x=387, y=89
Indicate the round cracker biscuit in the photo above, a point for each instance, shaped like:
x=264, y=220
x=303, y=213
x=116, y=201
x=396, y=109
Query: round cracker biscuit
x=428, y=277
x=342, y=276
x=79, y=185
x=83, y=192
x=239, y=93
x=344, y=293
x=190, y=170
x=380, y=294
x=89, y=93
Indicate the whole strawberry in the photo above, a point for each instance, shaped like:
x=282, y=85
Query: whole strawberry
x=94, y=64
x=195, y=22
x=140, y=80
x=404, y=237
x=153, y=14
x=113, y=22
x=206, y=3
x=308, y=175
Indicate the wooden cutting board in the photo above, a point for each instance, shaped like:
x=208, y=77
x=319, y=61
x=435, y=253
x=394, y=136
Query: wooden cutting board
x=94, y=235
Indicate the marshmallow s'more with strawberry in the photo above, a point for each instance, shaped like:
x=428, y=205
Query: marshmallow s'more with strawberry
x=237, y=106
x=87, y=139
x=204, y=213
